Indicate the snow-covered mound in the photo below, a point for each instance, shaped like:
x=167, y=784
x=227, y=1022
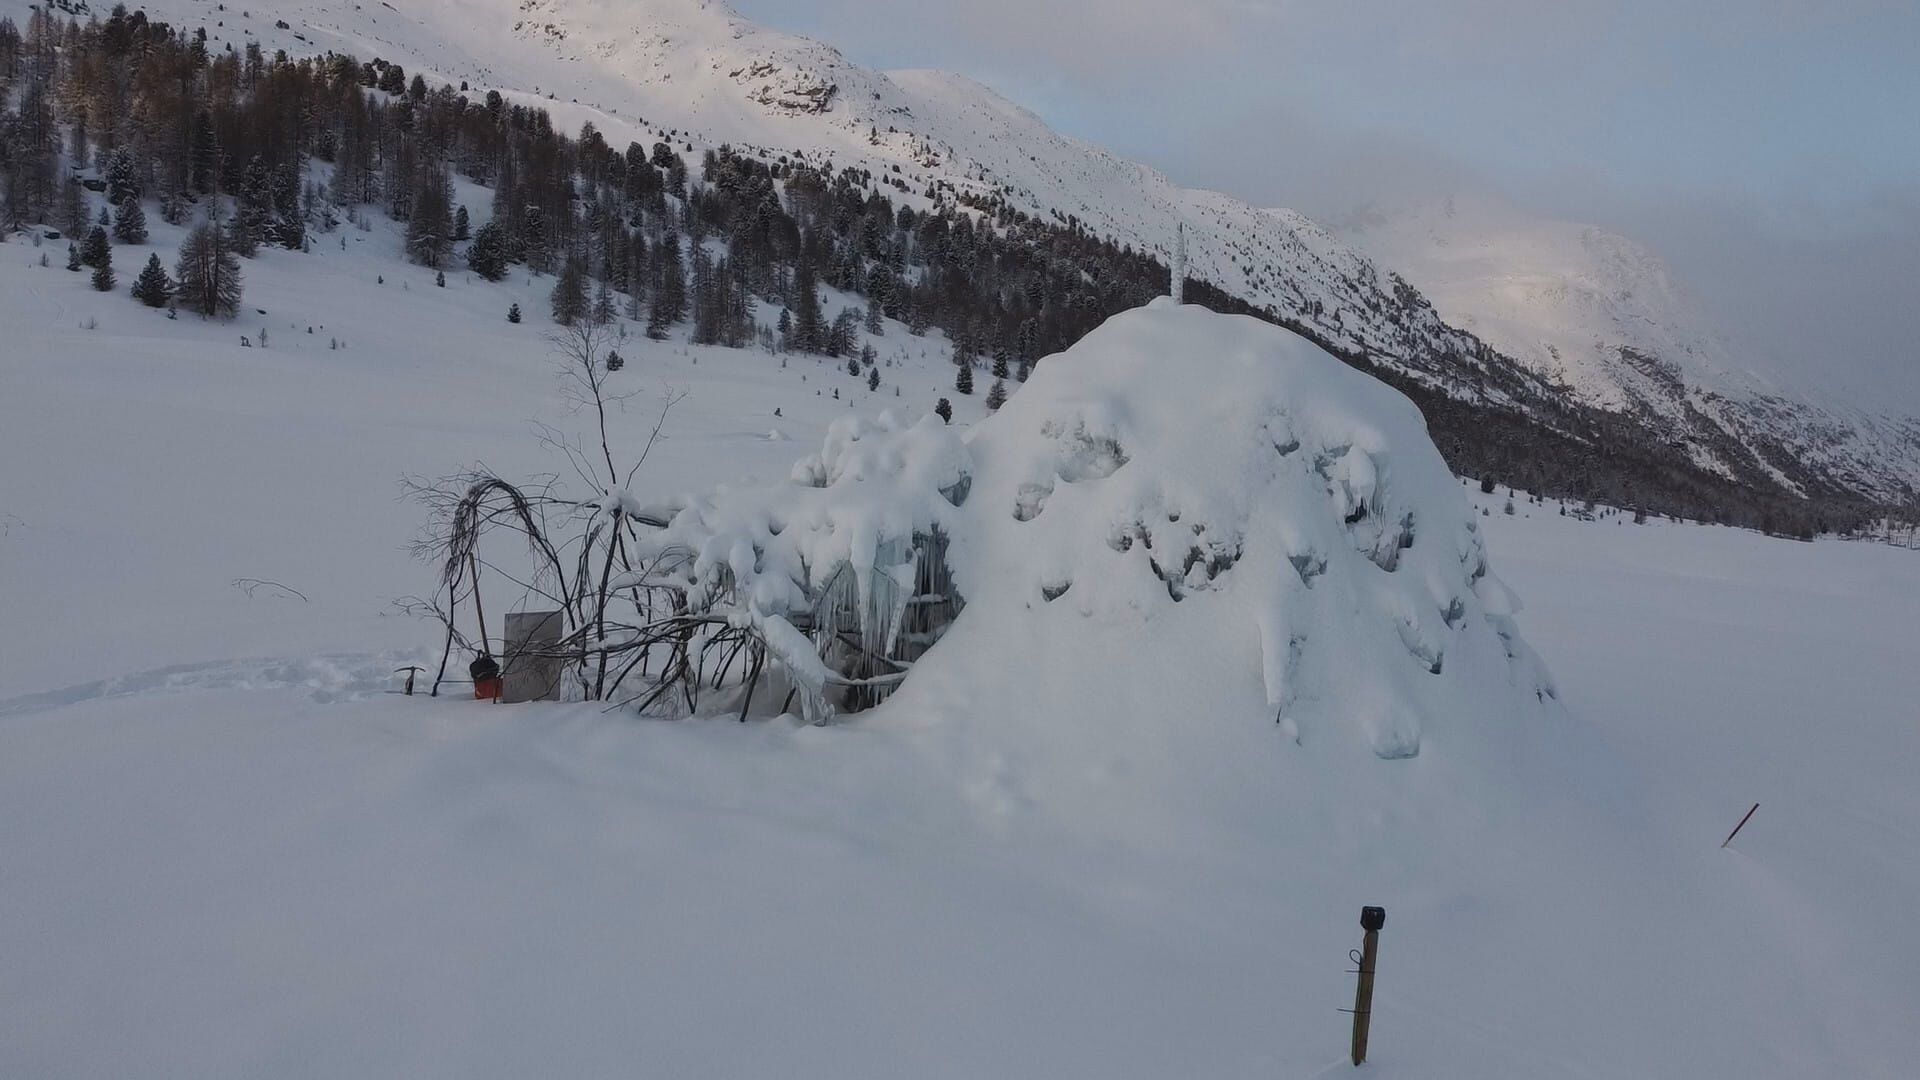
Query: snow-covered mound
x=1291, y=509
x=1182, y=489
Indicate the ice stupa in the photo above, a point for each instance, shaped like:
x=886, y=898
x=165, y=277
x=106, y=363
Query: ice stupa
x=1182, y=499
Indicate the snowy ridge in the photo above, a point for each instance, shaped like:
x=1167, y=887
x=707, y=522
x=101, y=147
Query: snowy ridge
x=1576, y=314
x=639, y=70
x=1605, y=318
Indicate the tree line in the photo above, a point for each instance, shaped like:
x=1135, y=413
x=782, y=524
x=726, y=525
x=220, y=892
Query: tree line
x=737, y=248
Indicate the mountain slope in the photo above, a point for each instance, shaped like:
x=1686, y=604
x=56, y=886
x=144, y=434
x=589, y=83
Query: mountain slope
x=695, y=72
x=1606, y=319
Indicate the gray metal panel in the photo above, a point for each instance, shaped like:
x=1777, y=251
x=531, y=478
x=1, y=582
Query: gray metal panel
x=529, y=677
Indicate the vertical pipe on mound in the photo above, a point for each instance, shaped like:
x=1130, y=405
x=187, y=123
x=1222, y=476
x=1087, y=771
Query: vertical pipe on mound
x=1178, y=288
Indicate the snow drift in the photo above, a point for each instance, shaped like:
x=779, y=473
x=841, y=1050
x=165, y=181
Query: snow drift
x=1292, y=510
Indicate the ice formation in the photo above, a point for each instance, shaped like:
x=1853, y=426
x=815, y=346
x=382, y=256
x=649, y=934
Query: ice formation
x=1293, y=510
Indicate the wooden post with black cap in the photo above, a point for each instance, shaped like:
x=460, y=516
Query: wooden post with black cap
x=1371, y=920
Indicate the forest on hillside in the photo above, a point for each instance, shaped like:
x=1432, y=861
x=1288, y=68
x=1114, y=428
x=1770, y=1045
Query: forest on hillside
x=111, y=116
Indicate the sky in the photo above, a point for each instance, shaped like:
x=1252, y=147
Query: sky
x=1769, y=149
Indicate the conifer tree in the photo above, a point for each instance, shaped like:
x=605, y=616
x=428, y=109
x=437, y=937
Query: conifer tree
x=74, y=215
x=239, y=237
x=73, y=257
x=670, y=298
x=123, y=181
x=289, y=218
x=944, y=410
x=130, y=222
x=569, y=298
x=873, y=378
x=487, y=255
x=208, y=273
x=430, y=224
x=513, y=313
x=997, y=395
x=255, y=215
x=462, y=227
x=963, y=378
x=103, y=274
x=809, y=330
x=153, y=288
x=97, y=251
x=840, y=334
x=603, y=312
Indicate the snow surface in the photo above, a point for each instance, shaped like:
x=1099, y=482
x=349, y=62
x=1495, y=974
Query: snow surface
x=231, y=850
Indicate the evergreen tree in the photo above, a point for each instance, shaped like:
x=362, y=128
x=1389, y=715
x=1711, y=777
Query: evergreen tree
x=569, y=298
x=123, y=181
x=513, y=313
x=130, y=222
x=614, y=361
x=840, y=334
x=153, y=288
x=289, y=217
x=208, y=273
x=203, y=160
x=73, y=257
x=440, y=278
x=1000, y=362
x=536, y=247
x=487, y=255
x=255, y=215
x=103, y=274
x=173, y=208
x=239, y=237
x=670, y=298
x=809, y=329
x=96, y=251
x=462, y=228
x=963, y=377
x=997, y=395
x=944, y=410
x=603, y=312
x=430, y=223
x=873, y=378
x=74, y=215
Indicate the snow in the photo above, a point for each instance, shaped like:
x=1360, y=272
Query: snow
x=1075, y=843
x=234, y=851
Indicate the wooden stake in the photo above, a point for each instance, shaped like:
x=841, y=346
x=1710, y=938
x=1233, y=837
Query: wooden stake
x=1372, y=919
x=1737, y=828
